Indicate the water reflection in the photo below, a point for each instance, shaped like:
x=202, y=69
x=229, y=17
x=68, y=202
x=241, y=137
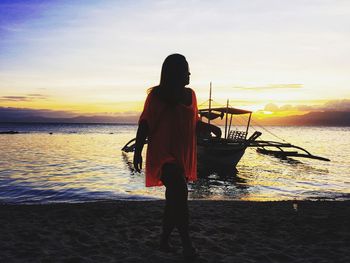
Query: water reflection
x=89, y=164
x=299, y=164
x=214, y=181
x=128, y=162
x=218, y=182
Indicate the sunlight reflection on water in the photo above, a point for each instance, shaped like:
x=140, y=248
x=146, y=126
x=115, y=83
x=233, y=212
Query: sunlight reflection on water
x=82, y=163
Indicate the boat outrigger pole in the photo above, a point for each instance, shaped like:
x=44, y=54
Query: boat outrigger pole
x=263, y=148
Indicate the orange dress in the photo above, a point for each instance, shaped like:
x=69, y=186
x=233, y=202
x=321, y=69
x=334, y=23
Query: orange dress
x=171, y=137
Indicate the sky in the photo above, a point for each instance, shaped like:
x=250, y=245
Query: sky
x=100, y=57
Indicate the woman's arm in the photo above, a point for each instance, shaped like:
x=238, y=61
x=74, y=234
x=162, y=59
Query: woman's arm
x=141, y=135
x=206, y=127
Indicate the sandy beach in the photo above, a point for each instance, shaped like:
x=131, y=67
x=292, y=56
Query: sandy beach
x=223, y=231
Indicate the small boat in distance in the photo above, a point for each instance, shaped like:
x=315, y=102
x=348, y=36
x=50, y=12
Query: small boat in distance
x=229, y=149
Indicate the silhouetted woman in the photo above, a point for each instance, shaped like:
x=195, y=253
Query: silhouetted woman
x=170, y=120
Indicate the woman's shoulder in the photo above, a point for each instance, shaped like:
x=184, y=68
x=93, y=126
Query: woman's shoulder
x=189, y=90
x=192, y=93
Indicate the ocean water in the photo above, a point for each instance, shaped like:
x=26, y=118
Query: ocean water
x=84, y=162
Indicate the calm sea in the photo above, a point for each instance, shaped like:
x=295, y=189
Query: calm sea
x=84, y=162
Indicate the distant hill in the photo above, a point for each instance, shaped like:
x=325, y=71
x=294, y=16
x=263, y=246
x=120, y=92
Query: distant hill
x=11, y=114
x=322, y=118
x=77, y=119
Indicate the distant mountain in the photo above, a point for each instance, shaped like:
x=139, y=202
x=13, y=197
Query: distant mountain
x=322, y=118
x=78, y=119
x=12, y=114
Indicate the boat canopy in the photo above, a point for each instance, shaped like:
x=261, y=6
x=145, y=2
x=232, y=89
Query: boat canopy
x=211, y=115
x=223, y=110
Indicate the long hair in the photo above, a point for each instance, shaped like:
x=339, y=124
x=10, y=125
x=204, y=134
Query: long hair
x=173, y=78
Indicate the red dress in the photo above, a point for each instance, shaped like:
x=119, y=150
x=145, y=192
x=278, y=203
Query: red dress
x=171, y=137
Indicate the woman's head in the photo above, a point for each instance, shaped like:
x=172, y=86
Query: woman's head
x=174, y=77
x=175, y=72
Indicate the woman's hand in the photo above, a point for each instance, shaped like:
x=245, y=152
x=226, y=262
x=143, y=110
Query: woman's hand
x=141, y=136
x=216, y=130
x=138, y=162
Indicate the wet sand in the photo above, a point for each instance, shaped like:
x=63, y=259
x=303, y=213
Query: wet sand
x=222, y=231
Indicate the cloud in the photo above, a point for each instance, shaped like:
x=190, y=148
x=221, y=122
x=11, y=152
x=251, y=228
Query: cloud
x=28, y=97
x=333, y=105
x=287, y=107
x=15, y=113
x=271, y=107
x=13, y=98
x=270, y=87
x=339, y=105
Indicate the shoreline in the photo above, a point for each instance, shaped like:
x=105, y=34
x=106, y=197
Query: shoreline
x=222, y=231
x=158, y=199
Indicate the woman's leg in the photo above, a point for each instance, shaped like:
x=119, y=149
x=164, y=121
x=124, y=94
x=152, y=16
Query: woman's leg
x=168, y=217
x=176, y=209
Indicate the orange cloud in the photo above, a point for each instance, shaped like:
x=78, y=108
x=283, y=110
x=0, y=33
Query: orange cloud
x=270, y=87
x=28, y=97
x=333, y=105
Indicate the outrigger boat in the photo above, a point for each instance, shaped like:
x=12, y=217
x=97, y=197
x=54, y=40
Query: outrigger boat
x=229, y=149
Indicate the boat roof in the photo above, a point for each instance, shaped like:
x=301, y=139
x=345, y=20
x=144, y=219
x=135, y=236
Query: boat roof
x=229, y=110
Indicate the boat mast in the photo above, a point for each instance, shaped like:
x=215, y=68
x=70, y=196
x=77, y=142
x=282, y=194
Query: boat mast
x=229, y=127
x=209, y=104
x=226, y=119
x=246, y=132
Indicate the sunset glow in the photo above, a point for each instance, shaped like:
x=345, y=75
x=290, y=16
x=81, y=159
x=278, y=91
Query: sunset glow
x=100, y=57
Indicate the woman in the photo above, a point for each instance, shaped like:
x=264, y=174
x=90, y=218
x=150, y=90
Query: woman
x=170, y=121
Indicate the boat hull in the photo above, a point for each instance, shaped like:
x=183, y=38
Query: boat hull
x=219, y=153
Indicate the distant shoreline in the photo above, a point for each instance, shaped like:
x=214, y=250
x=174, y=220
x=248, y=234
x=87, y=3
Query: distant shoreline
x=134, y=124
x=83, y=123
x=331, y=118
